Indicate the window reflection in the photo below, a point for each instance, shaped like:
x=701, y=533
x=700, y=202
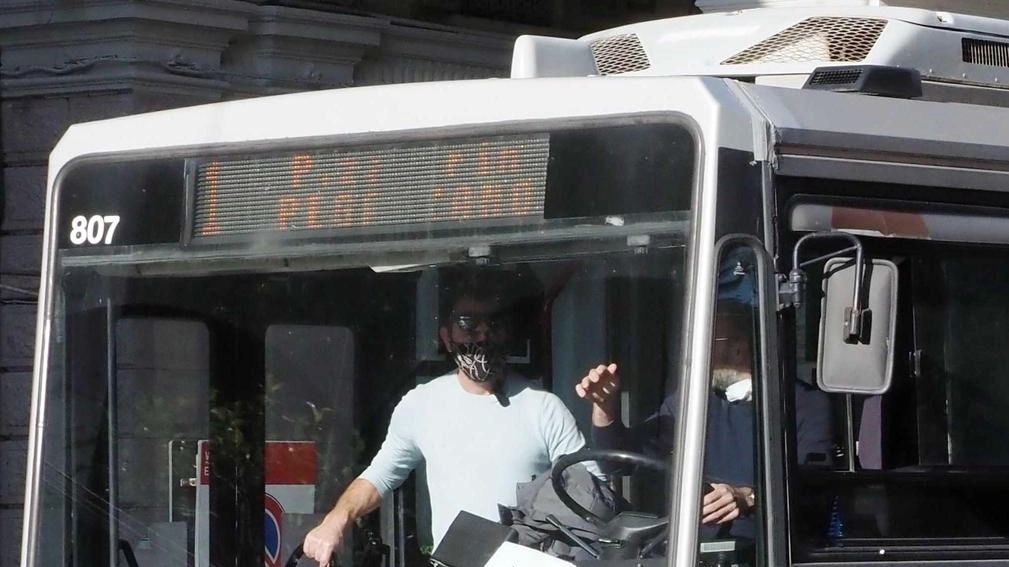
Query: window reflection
x=243, y=405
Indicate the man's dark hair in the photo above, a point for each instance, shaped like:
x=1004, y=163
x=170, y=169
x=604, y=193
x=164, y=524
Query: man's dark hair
x=511, y=290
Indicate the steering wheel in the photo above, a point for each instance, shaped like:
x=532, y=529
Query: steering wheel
x=623, y=536
x=598, y=455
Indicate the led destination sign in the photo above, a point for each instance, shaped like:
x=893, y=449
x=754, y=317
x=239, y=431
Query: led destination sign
x=458, y=180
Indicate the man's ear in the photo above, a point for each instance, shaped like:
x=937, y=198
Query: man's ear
x=446, y=339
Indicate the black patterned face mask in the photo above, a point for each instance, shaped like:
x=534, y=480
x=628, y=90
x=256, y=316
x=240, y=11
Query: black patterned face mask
x=480, y=361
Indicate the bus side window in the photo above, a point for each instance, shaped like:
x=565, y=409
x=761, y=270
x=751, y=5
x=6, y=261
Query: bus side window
x=920, y=463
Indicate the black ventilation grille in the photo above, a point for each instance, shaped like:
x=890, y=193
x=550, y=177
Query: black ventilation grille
x=841, y=77
x=984, y=52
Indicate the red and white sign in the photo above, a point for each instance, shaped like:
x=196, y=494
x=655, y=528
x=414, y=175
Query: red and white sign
x=290, y=470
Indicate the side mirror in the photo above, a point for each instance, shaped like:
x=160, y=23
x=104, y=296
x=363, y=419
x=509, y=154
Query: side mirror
x=861, y=363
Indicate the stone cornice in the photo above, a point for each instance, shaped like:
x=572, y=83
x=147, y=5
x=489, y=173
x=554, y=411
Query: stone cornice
x=319, y=26
x=289, y=49
x=449, y=46
x=225, y=14
x=224, y=48
x=107, y=76
x=388, y=70
x=117, y=45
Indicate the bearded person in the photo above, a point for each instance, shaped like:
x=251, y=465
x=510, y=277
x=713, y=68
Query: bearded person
x=479, y=429
x=729, y=499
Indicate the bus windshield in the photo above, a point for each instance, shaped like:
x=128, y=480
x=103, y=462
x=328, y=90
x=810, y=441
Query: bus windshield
x=209, y=403
x=176, y=403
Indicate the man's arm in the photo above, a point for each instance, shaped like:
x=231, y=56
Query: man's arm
x=601, y=386
x=398, y=456
x=360, y=498
x=559, y=430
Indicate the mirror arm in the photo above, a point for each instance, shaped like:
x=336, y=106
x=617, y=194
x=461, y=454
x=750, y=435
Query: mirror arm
x=853, y=316
x=792, y=288
x=856, y=249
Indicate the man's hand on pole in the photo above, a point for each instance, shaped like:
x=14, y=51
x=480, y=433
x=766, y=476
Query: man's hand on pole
x=325, y=539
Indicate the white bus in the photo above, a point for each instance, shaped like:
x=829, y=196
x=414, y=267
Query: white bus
x=235, y=296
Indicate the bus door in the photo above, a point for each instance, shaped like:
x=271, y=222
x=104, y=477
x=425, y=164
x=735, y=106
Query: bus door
x=308, y=430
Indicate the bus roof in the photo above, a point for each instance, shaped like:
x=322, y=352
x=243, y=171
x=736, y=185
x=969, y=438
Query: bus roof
x=364, y=111
x=858, y=137
x=860, y=127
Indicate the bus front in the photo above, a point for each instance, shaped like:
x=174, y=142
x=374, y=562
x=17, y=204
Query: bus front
x=231, y=312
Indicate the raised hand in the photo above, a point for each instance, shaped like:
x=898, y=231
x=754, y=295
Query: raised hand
x=601, y=386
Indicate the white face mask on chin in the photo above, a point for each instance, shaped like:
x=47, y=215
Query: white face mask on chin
x=737, y=384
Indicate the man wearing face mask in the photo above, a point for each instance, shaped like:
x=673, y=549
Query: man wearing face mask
x=729, y=453
x=729, y=502
x=480, y=429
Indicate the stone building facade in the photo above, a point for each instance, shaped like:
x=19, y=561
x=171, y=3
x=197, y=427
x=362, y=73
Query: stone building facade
x=68, y=61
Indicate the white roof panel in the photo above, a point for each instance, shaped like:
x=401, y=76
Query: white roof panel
x=825, y=120
x=369, y=110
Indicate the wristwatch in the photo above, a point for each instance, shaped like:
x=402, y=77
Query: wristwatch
x=751, y=499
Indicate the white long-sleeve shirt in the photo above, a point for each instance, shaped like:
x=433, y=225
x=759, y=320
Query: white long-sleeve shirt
x=476, y=450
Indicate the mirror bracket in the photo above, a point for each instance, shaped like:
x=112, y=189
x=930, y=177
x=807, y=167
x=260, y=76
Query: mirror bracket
x=857, y=323
x=792, y=287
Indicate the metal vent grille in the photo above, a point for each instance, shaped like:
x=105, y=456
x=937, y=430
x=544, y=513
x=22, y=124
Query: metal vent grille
x=430, y=182
x=840, y=77
x=983, y=52
x=816, y=39
x=619, y=54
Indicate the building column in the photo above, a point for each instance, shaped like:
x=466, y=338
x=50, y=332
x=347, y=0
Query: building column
x=433, y=53
x=290, y=50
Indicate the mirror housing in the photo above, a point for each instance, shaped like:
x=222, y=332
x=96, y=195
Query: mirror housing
x=860, y=363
